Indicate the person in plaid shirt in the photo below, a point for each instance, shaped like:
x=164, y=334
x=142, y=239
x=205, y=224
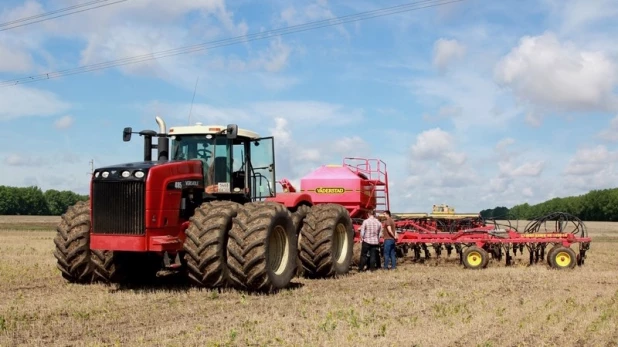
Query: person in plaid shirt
x=370, y=241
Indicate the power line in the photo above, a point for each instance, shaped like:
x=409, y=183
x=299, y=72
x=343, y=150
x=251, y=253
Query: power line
x=14, y=23
x=417, y=5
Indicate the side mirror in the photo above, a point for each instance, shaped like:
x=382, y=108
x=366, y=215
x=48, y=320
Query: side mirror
x=126, y=134
x=232, y=131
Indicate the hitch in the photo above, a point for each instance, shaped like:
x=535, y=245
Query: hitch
x=170, y=268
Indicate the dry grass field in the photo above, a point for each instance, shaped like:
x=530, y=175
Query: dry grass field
x=437, y=303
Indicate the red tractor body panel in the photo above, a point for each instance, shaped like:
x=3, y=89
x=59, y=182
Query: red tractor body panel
x=163, y=227
x=291, y=200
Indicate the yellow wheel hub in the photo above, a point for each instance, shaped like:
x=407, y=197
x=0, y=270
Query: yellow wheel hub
x=563, y=259
x=474, y=258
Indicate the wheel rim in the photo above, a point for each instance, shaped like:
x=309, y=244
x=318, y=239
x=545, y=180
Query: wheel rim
x=563, y=259
x=474, y=258
x=340, y=243
x=278, y=250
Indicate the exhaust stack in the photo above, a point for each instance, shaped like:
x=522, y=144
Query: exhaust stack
x=163, y=142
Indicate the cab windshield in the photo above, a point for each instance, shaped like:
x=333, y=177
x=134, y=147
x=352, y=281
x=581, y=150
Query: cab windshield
x=220, y=156
x=225, y=162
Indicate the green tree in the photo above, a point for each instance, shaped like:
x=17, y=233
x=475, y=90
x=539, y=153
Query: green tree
x=33, y=201
x=596, y=205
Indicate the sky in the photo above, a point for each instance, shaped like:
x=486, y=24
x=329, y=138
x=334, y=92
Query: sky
x=474, y=104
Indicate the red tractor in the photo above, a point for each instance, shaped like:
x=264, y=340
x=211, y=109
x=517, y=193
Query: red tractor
x=206, y=207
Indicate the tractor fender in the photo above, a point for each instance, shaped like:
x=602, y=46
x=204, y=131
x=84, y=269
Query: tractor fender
x=291, y=200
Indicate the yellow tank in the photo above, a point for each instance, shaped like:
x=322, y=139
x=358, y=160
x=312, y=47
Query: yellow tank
x=446, y=212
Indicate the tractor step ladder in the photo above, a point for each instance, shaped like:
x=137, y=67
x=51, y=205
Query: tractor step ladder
x=377, y=176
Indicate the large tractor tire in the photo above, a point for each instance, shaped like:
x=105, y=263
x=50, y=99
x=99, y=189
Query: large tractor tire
x=109, y=267
x=262, y=248
x=327, y=241
x=125, y=267
x=73, y=244
x=206, y=243
x=298, y=218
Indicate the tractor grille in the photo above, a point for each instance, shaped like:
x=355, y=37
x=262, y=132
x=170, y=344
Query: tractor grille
x=118, y=208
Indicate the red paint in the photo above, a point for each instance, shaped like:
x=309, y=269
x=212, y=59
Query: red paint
x=358, y=184
x=290, y=200
x=485, y=235
x=165, y=231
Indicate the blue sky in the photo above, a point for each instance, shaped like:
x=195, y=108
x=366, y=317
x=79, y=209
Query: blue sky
x=474, y=104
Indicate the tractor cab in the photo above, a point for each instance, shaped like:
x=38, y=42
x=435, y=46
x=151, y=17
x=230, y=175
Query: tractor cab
x=237, y=164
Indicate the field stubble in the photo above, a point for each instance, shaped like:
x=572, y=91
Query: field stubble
x=437, y=303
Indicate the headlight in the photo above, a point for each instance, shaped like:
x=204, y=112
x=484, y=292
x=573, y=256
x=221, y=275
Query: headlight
x=105, y=174
x=96, y=174
x=139, y=174
x=126, y=174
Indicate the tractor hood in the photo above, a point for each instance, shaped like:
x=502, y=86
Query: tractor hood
x=135, y=170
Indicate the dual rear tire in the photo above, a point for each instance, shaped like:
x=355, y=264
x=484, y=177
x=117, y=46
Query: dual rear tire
x=261, y=246
x=327, y=241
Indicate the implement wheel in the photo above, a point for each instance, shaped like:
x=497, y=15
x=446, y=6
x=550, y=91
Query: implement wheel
x=549, y=254
x=562, y=258
x=475, y=258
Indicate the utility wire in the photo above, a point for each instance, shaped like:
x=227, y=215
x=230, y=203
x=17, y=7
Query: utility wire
x=15, y=23
x=417, y=5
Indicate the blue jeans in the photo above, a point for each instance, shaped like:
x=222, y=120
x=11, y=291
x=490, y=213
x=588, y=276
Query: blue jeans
x=389, y=253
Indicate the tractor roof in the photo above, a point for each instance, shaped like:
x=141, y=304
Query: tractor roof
x=199, y=129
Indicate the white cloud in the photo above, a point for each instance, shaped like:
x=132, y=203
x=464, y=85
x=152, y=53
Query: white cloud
x=50, y=159
x=527, y=192
x=471, y=96
x=552, y=75
x=611, y=133
x=437, y=172
x=446, y=52
x=299, y=114
x=20, y=101
x=577, y=15
x=315, y=11
x=590, y=160
x=531, y=169
x=64, y=122
x=143, y=27
x=591, y=168
x=437, y=145
x=351, y=146
x=502, y=144
x=444, y=112
x=13, y=58
x=309, y=112
x=22, y=160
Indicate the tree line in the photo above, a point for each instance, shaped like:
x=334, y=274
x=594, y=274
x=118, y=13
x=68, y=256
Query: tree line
x=596, y=205
x=33, y=201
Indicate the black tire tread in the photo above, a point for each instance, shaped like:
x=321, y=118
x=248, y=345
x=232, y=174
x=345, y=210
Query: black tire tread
x=205, y=244
x=569, y=250
x=316, y=240
x=107, y=268
x=247, y=251
x=72, y=243
x=484, y=254
x=298, y=218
